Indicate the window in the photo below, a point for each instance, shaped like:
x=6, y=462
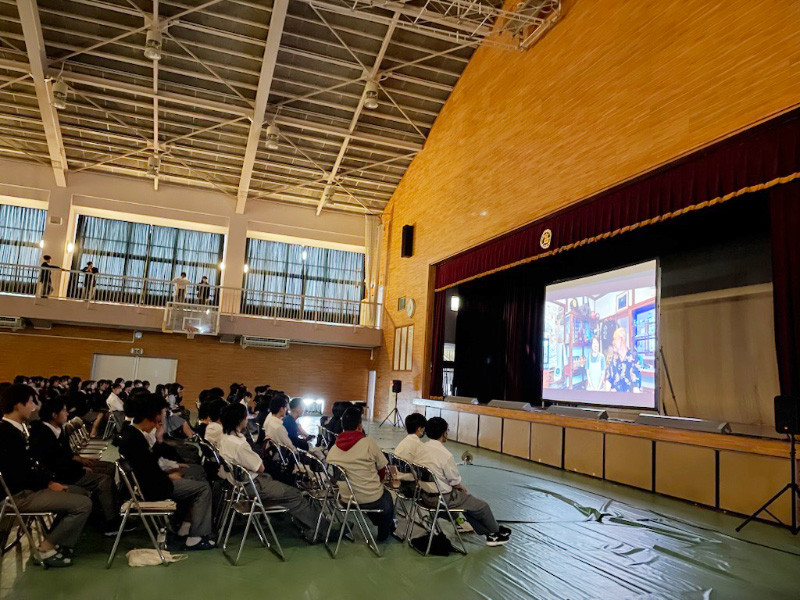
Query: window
x=306, y=282
x=125, y=254
x=21, y=230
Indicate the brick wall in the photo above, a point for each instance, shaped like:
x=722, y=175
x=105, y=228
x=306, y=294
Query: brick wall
x=316, y=371
x=615, y=89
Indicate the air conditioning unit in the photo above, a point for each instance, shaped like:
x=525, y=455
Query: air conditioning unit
x=249, y=341
x=12, y=323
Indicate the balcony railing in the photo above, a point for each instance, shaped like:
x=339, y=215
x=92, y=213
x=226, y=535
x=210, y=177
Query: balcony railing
x=21, y=280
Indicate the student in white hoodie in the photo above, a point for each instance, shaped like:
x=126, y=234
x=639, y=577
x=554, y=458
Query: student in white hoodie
x=441, y=463
x=408, y=449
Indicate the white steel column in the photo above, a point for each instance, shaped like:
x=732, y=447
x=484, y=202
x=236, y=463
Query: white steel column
x=34, y=42
x=276, y=22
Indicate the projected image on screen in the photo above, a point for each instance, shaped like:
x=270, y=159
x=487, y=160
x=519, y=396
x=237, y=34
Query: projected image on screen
x=600, y=341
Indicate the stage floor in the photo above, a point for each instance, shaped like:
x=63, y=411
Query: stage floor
x=574, y=538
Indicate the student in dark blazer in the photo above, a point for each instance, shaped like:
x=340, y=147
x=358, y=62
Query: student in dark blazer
x=135, y=446
x=34, y=489
x=50, y=446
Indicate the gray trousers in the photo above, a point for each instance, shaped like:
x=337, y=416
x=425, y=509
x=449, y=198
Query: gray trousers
x=476, y=511
x=198, y=493
x=72, y=510
x=279, y=493
x=101, y=486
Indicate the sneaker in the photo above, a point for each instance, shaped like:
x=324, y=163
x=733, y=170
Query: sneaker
x=497, y=539
x=205, y=543
x=505, y=530
x=113, y=528
x=58, y=560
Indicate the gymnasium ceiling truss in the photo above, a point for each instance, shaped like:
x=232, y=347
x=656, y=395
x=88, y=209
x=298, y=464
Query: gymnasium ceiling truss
x=322, y=103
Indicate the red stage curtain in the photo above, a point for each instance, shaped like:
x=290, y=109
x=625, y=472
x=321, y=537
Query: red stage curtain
x=755, y=159
x=785, y=212
x=437, y=343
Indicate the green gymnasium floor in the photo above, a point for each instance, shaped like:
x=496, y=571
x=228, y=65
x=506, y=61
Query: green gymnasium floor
x=574, y=538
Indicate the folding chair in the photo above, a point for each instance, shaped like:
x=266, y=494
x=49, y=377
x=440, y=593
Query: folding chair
x=404, y=494
x=246, y=502
x=82, y=440
x=23, y=520
x=424, y=475
x=348, y=506
x=116, y=419
x=155, y=514
x=315, y=482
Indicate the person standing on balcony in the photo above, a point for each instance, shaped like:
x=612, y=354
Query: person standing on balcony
x=89, y=280
x=45, y=276
x=203, y=291
x=180, y=284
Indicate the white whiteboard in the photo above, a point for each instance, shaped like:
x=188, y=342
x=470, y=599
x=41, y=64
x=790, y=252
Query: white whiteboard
x=157, y=370
x=154, y=370
x=111, y=366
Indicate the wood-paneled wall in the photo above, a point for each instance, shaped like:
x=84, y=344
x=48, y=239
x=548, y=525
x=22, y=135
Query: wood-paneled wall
x=615, y=89
x=311, y=371
x=720, y=351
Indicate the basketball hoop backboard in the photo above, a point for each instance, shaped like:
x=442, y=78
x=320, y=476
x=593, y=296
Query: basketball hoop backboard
x=190, y=319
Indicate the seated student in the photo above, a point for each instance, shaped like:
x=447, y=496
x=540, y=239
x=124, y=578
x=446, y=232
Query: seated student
x=335, y=424
x=441, y=463
x=273, y=426
x=365, y=465
x=297, y=434
x=50, y=446
x=214, y=428
x=323, y=422
x=156, y=484
x=203, y=418
x=34, y=490
x=408, y=449
x=235, y=448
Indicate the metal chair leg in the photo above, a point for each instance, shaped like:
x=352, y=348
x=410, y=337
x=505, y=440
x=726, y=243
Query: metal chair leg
x=117, y=539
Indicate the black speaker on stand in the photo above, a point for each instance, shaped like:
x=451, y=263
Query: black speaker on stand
x=394, y=417
x=787, y=420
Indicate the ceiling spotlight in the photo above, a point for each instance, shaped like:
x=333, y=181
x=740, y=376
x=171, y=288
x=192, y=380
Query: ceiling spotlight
x=222, y=266
x=246, y=268
x=273, y=135
x=152, y=46
x=371, y=95
x=153, y=166
x=60, y=94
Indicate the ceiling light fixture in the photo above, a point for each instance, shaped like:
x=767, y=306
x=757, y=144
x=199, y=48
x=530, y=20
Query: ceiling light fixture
x=153, y=43
x=60, y=94
x=371, y=95
x=273, y=135
x=153, y=166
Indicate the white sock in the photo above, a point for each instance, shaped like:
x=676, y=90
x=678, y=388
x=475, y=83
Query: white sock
x=184, y=529
x=193, y=540
x=48, y=553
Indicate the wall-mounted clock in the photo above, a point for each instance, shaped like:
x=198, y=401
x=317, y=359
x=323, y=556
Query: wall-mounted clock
x=411, y=306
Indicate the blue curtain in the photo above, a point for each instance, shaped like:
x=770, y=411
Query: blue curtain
x=21, y=229
x=280, y=274
x=139, y=250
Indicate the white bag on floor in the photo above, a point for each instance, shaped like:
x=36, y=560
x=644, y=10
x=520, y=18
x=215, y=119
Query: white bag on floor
x=147, y=557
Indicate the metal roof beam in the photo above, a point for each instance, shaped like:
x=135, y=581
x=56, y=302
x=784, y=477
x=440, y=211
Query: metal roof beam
x=37, y=57
x=278, y=18
x=376, y=65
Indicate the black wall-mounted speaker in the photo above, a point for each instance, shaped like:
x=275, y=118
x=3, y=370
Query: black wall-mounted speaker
x=407, y=246
x=787, y=414
x=397, y=386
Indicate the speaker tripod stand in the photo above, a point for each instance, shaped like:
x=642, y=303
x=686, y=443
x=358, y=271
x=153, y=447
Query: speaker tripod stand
x=794, y=492
x=394, y=418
